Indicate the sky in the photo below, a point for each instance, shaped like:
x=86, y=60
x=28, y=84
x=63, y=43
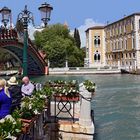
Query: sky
x=80, y=14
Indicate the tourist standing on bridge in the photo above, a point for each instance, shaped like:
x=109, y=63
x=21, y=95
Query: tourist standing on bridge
x=15, y=90
x=5, y=99
x=27, y=87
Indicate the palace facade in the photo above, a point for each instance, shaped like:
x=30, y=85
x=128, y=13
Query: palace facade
x=116, y=44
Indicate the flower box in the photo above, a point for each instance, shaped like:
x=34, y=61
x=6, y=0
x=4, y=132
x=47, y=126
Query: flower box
x=29, y=120
x=66, y=98
x=25, y=127
x=28, y=123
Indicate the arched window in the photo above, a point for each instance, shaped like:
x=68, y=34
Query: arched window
x=97, y=56
x=139, y=23
x=97, y=40
x=133, y=55
x=122, y=55
x=129, y=55
x=125, y=43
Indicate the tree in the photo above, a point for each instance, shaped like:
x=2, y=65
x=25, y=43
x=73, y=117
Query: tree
x=77, y=38
x=6, y=57
x=59, y=45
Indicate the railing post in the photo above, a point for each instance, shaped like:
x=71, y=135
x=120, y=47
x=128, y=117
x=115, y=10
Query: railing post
x=85, y=119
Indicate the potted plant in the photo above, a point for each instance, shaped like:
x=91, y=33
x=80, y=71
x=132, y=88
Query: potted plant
x=31, y=107
x=73, y=83
x=59, y=82
x=47, y=91
x=66, y=93
x=26, y=109
x=9, y=127
x=89, y=85
x=17, y=115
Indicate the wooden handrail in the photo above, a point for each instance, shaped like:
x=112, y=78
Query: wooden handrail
x=8, y=34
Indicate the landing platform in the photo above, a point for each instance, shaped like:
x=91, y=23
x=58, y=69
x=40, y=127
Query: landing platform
x=67, y=130
x=64, y=71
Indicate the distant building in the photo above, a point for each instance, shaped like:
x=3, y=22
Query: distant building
x=95, y=46
x=119, y=43
x=66, y=25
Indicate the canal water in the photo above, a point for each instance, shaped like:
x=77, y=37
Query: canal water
x=116, y=105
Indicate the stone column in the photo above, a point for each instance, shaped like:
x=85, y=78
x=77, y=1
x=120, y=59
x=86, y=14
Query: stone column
x=66, y=64
x=135, y=65
x=85, y=109
x=138, y=58
x=119, y=66
x=48, y=63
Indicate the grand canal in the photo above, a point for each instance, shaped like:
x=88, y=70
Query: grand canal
x=116, y=105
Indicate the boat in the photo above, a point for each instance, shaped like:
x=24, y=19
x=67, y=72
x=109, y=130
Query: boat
x=123, y=71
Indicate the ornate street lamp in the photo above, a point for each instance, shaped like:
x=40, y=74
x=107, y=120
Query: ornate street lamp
x=6, y=13
x=25, y=17
x=45, y=10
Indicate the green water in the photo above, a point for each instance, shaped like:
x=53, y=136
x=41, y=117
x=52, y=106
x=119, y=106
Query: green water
x=116, y=105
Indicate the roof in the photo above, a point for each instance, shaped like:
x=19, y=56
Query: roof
x=95, y=27
x=123, y=18
x=102, y=27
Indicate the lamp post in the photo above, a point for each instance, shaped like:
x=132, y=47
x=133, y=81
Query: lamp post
x=45, y=10
x=6, y=13
x=26, y=17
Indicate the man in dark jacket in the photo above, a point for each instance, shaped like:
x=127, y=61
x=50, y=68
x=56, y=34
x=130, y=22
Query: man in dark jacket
x=15, y=91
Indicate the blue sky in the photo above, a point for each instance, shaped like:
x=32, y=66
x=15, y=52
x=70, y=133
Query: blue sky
x=78, y=13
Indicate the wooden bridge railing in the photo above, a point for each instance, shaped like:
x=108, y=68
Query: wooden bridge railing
x=8, y=34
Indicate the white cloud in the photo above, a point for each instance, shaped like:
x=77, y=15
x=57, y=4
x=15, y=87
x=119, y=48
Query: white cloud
x=32, y=29
x=89, y=22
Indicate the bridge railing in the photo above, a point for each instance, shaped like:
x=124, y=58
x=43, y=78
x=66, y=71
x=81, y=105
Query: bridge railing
x=8, y=34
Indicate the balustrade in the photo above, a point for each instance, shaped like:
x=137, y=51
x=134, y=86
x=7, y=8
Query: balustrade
x=8, y=34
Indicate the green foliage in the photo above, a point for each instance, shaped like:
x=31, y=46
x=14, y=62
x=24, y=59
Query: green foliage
x=59, y=45
x=5, y=56
x=38, y=40
x=47, y=91
x=31, y=106
x=16, y=114
x=26, y=108
x=89, y=85
x=77, y=38
x=9, y=127
x=60, y=87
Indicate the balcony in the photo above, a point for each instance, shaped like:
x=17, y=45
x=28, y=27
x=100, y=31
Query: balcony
x=117, y=50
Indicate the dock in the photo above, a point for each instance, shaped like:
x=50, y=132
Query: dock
x=83, y=71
